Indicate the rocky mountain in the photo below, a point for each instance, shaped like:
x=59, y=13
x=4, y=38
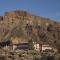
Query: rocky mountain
x=30, y=27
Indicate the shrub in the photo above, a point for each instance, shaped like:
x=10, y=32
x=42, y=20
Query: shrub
x=37, y=57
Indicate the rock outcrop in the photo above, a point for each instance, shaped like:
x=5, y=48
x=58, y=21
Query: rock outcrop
x=22, y=24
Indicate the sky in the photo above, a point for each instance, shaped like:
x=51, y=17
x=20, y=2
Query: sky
x=45, y=8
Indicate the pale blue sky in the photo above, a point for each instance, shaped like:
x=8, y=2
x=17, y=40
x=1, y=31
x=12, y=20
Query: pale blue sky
x=45, y=8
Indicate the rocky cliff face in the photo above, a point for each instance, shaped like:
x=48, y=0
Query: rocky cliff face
x=35, y=28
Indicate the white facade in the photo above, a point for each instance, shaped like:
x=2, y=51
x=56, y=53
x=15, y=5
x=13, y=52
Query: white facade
x=44, y=47
x=36, y=46
x=39, y=47
x=14, y=47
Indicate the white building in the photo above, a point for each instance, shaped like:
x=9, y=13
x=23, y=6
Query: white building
x=44, y=47
x=36, y=47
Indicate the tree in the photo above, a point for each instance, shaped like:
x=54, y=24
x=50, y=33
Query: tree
x=31, y=45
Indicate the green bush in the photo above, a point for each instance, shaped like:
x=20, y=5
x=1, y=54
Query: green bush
x=44, y=57
x=47, y=58
x=37, y=57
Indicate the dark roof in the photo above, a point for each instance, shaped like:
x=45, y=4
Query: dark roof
x=22, y=44
x=4, y=43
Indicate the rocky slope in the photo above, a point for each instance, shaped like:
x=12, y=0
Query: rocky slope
x=31, y=27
